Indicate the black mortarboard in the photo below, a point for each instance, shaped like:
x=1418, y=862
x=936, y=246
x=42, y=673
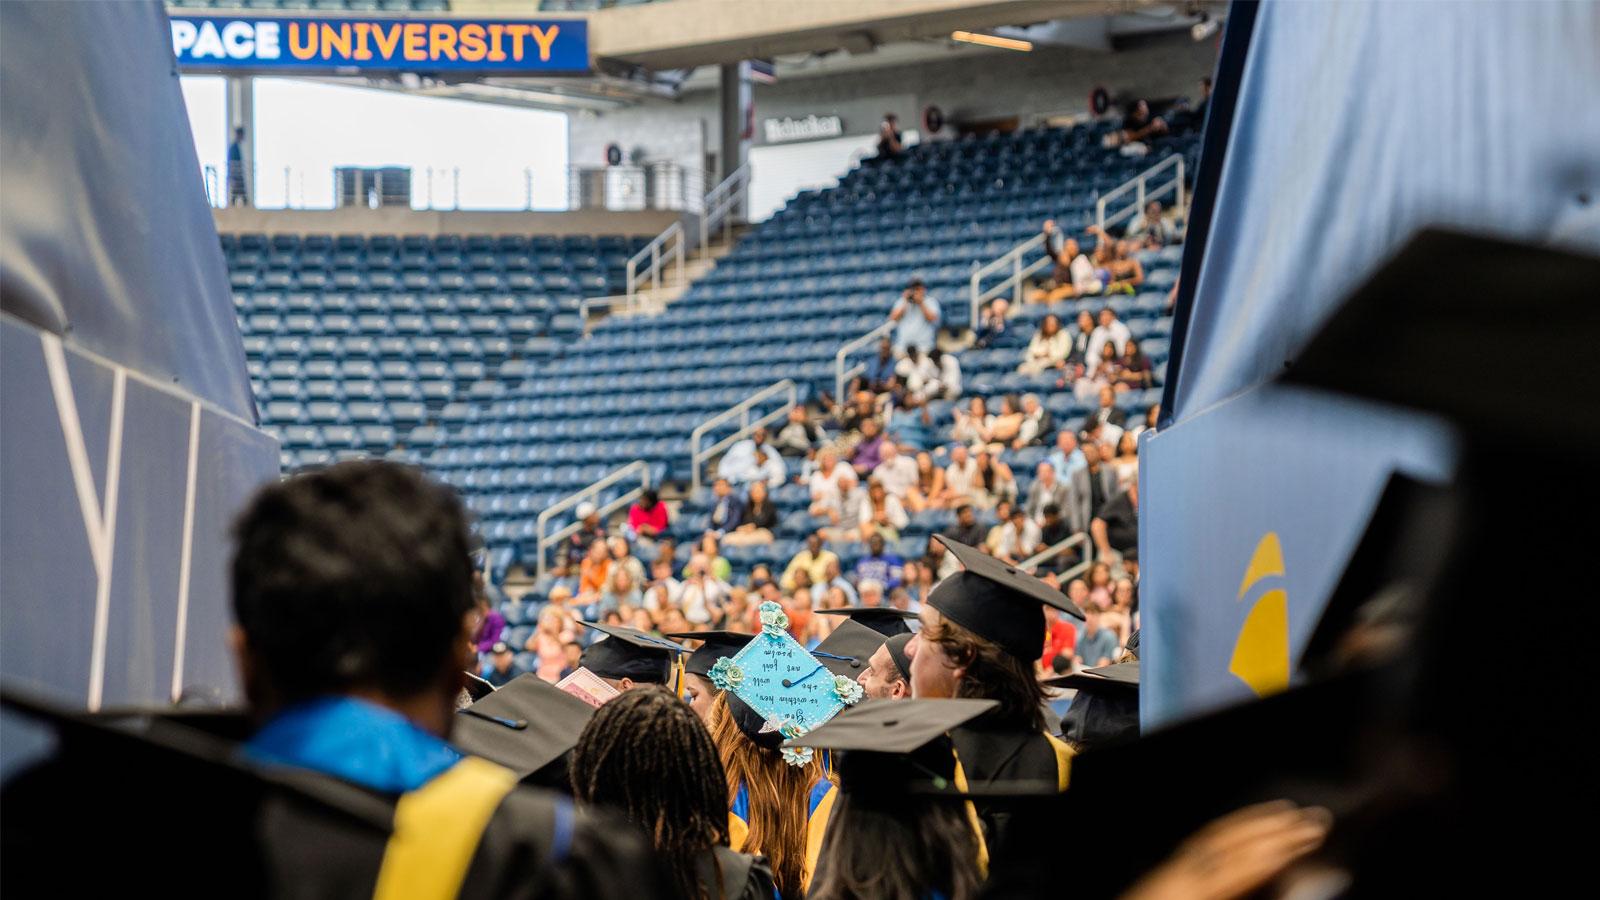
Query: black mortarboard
x=630, y=653
x=1106, y=707
x=1425, y=329
x=997, y=602
x=476, y=687
x=716, y=644
x=525, y=726
x=897, y=652
x=886, y=620
x=848, y=649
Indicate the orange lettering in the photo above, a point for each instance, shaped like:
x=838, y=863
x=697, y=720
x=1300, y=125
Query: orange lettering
x=335, y=39
x=544, y=39
x=516, y=32
x=306, y=50
x=473, y=48
x=442, y=41
x=496, y=32
x=361, y=40
x=386, y=47
x=416, y=38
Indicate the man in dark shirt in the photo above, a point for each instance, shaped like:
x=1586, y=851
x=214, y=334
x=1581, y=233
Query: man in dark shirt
x=889, y=145
x=1116, y=527
x=880, y=369
x=966, y=530
x=1053, y=530
x=500, y=671
x=237, y=189
x=1091, y=486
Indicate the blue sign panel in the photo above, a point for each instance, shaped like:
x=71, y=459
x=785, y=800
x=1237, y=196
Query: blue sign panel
x=353, y=44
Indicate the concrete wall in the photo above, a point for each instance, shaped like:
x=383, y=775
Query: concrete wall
x=433, y=222
x=972, y=85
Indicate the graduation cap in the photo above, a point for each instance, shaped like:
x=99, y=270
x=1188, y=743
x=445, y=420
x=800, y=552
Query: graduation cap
x=630, y=653
x=997, y=602
x=775, y=689
x=476, y=688
x=1106, y=707
x=526, y=726
x=714, y=645
x=848, y=649
x=897, y=652
x=885, y=620
x=888, y=748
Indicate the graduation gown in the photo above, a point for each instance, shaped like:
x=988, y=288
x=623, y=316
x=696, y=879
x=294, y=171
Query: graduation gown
x=819, y=808
x=990, y=757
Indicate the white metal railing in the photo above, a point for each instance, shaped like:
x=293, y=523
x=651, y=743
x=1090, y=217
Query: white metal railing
x=721, y=203
x=1139, y=185
x=1051, y=552
x=546, y=541
x=841, y=375
x=615, y=304
x=742, y=410
x=668, y=246
x=1012, y=259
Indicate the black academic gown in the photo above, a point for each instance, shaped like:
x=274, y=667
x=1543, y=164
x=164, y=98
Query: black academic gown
x=173, y=809
x=728, y=875
x=991, y=758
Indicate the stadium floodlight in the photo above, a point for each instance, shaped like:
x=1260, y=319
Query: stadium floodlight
x=989, y=40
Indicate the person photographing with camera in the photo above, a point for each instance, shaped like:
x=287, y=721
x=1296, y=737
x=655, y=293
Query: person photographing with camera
x=917, y=315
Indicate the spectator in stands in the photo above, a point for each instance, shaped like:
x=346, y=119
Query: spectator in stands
x=1138, y=124
x=868, y=452
x=1004, y=426
x=491, y=625
x=1073, y=276
x=863, y=406
x=725, y=508
x=756, y=521
x=995, y=477
x=880, y=565
x=1098, y=646
x=871, y=592
x=1150, y=231
x=238, y=184
x=966, y=530
x=716, y=564
x=830, y=484
x=663, y=590
x=949, y=373
x=1055, y=240
x=740, y=613
x=920, y=580
x=1107, y=411
x=814, y=560
x=972, y=423
x=753, y=459
x=939, y=561
x=1036, y=423
x=589, y=531
x=835, y=581
x=1125, y=269
x=897, y=474
x=500, y=669
x=927, y=376
x=882, y=513
x=548, y=643
x=647, y=517
x=991, y=539
x=1092, y=486
x=1133, y=369
x=1104, y=375
x=1048, y=349
x=917, y=315
x=1060, y=643
x=593, y=572
x=1078, y=357
x=1019, y=537
x=703, y=593
x=961, y=480
x=1126, y=462
x=889, y=137
x=621, y=592
x=1066, y=458
x=1116, y=527
x=880, y=370
x=1111, y=330
x=1047, y=490
x=1119, y=617
x=800, y=436
x=1053, y=529
x=992, y=324
x=622, y=557
x=929, y=492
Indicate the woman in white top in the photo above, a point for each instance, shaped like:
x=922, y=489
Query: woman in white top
x=830, y=484
x=1126, y=462
x=1048, y=349
x=971, y=423
x=961, y=482
x=881, y=514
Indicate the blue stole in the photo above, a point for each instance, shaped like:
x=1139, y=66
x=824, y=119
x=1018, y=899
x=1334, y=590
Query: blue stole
x=355, y=741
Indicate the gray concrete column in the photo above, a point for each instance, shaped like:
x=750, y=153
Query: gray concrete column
x=736, y=121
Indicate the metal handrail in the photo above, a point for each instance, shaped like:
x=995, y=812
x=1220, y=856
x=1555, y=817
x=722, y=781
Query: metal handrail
x=653, y=251
x=720, y=204
x=1139, y=185
x=630, y=304
x=840, y=375
x=697, y=456
x=545, y=541
x=1011, y=258
x=1056, y=549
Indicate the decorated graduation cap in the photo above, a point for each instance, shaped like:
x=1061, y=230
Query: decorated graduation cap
x=630, y=653
x=886, y=620
x=528, y=726
x=1106, y=707
x=848, y=649
x=714, y=645
x=996, y=601
x=777, y=690
x=888, y=748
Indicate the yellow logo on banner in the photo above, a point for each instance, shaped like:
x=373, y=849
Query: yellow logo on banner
x=1261, y=654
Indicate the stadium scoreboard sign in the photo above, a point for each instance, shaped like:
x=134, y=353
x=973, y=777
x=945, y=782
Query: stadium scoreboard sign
x=348, y=44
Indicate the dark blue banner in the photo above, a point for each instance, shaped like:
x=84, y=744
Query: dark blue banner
x=368, y=44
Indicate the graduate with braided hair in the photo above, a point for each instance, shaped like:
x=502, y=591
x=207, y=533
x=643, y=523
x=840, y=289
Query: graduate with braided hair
x=673, y=787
